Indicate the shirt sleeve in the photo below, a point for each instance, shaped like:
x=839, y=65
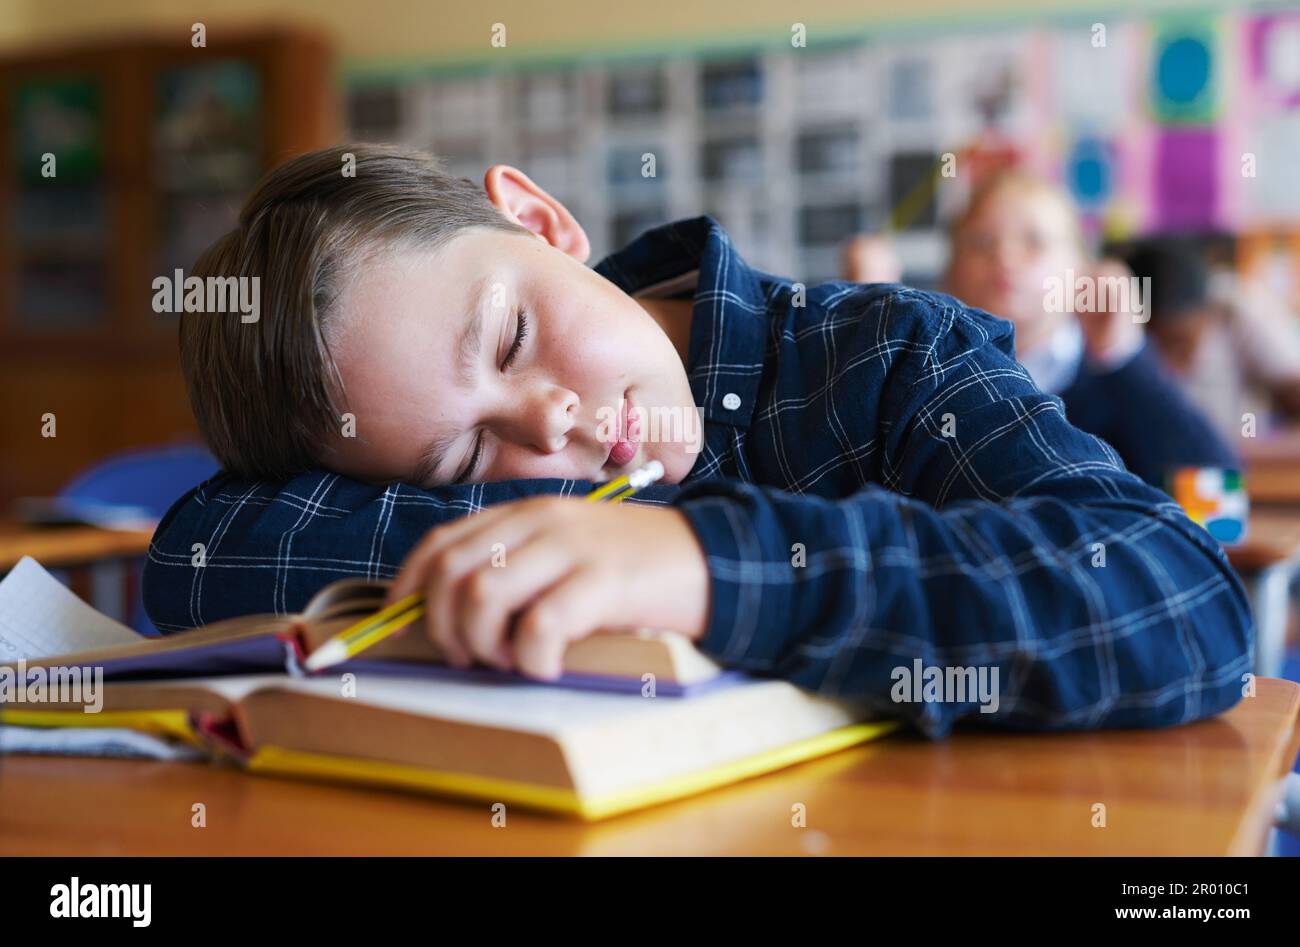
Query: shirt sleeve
x=1003, y=538
x=235, y=547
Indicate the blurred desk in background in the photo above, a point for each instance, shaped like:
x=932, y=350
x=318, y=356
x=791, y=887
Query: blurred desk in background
x=1267, y=562
x=1274, y=482
x=56, y=547
x=103, y=552
x=1272, y=468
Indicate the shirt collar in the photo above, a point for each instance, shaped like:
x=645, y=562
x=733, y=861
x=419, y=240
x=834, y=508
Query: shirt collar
x=1054, y=365
x=729, y=320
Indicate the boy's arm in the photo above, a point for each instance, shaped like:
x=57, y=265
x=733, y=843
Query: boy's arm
x=1007, y=539
x=235, y=547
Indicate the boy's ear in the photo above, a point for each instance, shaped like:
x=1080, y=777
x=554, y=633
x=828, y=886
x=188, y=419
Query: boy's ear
x=524, y=202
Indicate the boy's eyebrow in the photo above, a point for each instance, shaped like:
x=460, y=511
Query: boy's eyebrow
x=471, y=337
x=468, y=347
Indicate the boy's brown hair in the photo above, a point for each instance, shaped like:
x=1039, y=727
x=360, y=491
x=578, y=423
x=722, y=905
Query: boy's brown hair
x=266, y=394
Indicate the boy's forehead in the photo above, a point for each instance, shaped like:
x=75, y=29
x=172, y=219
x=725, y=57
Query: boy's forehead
x=395, y=287
x=452, y=272
x=404, y=322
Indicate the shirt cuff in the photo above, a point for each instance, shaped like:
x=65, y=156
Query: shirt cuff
x=730, y=519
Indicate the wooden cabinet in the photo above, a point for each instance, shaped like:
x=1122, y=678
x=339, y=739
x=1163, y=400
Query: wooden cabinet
x=119, y=161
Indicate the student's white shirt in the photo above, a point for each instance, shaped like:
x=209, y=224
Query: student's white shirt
x=1055, y=364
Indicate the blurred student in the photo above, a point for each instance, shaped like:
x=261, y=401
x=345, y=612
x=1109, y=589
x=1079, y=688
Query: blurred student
x=1018, y=252
x=1232, y=344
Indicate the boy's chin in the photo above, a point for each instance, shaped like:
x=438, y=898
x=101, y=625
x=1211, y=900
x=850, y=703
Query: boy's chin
x=677, y=465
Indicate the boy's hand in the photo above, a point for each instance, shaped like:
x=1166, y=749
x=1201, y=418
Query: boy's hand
x=513, y=585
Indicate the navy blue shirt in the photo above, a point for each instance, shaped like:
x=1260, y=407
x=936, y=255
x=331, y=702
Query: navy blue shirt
x=880, y=484
x=1139, y=410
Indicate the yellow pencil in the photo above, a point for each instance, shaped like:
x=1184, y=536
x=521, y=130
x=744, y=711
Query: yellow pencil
x=353, y=640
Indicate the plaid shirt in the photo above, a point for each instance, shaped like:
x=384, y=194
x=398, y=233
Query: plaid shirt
x=880, y=484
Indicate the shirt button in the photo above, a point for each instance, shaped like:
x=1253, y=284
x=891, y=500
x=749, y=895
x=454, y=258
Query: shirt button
x=731, y=401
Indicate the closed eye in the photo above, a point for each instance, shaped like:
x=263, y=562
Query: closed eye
x=473, y=462
x=520, y=334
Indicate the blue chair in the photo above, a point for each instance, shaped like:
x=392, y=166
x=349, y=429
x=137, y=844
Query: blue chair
x=151, y=480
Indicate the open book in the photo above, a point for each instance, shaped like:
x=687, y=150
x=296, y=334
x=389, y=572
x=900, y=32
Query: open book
x=647, y=718
x=261, y=643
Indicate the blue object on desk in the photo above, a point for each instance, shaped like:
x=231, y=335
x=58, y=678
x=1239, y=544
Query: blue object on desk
x=149, y=480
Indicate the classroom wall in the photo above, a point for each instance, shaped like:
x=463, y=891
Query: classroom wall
x=412, y=29
x=13, y=24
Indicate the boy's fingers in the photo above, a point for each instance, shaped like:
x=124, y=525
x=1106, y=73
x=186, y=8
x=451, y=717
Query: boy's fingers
x=570, y=609
x=411, y=576
x=441, y=634
x=453, y=651
x=440, y=572
x=489, y=598
x=446, y=572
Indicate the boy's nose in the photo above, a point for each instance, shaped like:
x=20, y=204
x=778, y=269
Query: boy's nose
x=547, y=419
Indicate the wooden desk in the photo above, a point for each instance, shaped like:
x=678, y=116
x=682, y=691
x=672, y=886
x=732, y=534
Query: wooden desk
x=1272, y=536
x=104, y=551
x=1209, y=788
x=60, y=546
x=1274, y=482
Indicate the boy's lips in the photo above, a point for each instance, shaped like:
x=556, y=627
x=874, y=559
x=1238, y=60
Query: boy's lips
x=624, y=448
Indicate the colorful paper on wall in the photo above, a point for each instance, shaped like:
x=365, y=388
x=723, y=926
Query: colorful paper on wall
x=1186, y=182
x=1274, y=54
x=1185, y=73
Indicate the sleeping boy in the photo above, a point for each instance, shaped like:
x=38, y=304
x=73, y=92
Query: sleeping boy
x=873, y=480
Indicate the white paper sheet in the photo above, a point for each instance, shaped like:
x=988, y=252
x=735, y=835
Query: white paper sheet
x=41, y=618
